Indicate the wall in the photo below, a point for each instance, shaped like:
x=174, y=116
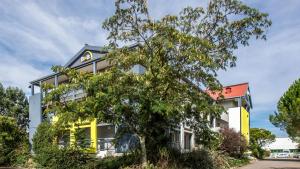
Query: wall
x=245, y=126
x=35, y=114
x=234, y=118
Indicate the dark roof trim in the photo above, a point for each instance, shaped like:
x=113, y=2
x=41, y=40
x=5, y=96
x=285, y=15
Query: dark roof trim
x=76, y=56
x=37, y=82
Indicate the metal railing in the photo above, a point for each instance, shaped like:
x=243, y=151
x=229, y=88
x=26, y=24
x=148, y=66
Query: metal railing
x=105, y=144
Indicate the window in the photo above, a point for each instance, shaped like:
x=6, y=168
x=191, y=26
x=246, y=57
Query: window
x=211, y=121
x=107, y=131
x=187, y=141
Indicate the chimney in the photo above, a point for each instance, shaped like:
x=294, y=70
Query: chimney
x=228, y=90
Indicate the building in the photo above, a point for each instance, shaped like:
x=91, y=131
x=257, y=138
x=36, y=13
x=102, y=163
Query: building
x=283, y=145
x=237, y=102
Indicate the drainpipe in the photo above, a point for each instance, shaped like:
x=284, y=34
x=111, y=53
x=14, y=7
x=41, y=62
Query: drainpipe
x=32, y=89
x=94, y=67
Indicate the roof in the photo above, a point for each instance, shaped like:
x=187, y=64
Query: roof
x=86, y=47
x=82, y=50
x=232, y=91
x=282, y=143
x=70, y=63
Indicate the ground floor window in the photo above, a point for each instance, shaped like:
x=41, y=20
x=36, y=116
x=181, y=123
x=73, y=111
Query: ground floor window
x=175, y=139
x=187, y=141
x=106, y=135
x=83, y=137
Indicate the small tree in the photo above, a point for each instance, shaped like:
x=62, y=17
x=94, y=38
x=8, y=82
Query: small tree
x=233, y=142
x=180, y=54
x=288, y=116
x=259, y=138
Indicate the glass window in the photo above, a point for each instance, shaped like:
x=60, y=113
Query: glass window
x=107, y=131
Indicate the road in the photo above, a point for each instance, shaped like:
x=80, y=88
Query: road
x=273, y=164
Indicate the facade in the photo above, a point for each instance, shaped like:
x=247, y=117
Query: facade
x=99, y=136
x=237, y=102
x=283, y=145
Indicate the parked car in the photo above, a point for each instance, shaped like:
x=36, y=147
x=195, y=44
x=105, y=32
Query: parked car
x=282, y=155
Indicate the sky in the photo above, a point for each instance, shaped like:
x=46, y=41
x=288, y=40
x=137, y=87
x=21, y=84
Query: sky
x=34, y=35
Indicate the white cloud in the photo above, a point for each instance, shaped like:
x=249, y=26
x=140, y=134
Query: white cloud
x=14, y=72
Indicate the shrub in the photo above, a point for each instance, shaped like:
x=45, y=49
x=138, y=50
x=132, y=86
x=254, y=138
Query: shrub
x=258, y=152
x=204, y=159
x=200, y=159
x=49, y=155
x=12, y=138
x=117, y=162
x=233, y=143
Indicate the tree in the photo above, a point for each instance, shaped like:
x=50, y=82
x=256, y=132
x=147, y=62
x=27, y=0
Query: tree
x=181, y=55
x=11, y=138
x=14, y=103
x=260, y=138
x=233, y=143
x=288, y=115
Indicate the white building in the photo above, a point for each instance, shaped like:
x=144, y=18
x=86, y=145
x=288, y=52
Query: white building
x=283, y=145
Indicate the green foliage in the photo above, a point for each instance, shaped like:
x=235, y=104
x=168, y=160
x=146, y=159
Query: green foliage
x=258, y=138
x=233, y=143
x=200, y=159
x=208, y=138
x=14, y=103
x=116, y=162
x=49, y=155
x=179, y=53
x=288, y=116
x=11, y=140
x=203, y=159
x=237, y=162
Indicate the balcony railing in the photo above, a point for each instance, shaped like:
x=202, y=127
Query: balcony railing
x=73, y=95
x=106, y=144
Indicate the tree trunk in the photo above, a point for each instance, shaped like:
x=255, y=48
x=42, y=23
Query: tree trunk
x=143, y=150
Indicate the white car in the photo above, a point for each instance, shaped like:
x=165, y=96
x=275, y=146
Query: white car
x=282, y=155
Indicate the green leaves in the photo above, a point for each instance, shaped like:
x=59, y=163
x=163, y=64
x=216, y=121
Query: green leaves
x=288, y=117
x=11, y=138
x=14, y=103
x=258, y=139
x=180, y=55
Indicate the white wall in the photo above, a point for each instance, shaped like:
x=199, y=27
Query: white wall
x=234, y=118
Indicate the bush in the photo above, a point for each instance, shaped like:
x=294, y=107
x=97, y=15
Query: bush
x=200, y=159
x=49, y=155
x=233, y=143
x=117, y=162
x=12, y=140
x=258, y=152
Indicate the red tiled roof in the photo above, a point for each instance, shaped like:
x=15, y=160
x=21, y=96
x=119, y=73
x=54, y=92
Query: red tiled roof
x=231, y=91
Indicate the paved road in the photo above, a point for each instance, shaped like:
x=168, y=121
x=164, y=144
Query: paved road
x=270, y=164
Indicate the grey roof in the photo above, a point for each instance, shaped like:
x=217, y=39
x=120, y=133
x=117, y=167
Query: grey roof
x=85, y=48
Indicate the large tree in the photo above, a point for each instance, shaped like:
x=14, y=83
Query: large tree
x=14, y=103
x=181, y=55
x=288, y=115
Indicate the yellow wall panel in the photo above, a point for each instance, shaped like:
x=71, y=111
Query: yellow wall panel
x=245, y=125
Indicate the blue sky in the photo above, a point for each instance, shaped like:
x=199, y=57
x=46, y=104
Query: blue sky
x=34, y=35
